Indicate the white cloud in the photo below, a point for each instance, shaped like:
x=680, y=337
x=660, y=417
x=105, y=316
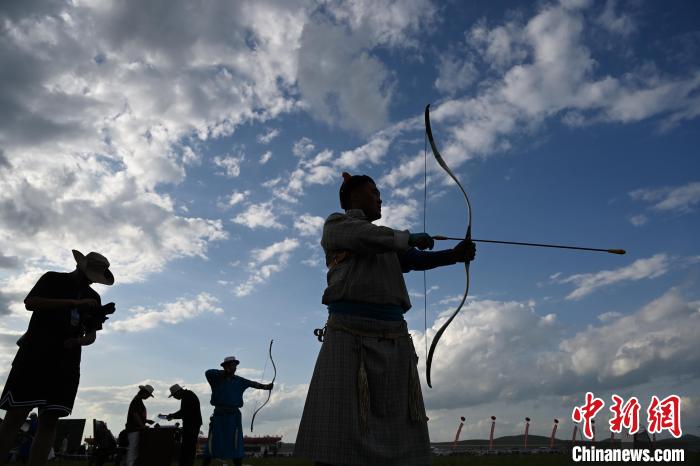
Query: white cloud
x=640, y=269
x=399, y=216
x=545, y=71
x=371, y=152
x=639, y=220
x=258, y=216
x=308, y=171
x=137, y=230
x=182, y=309
x=265, y=157
x=103, y=114
x=455, y=74
x=266, y=138
x=501, y=46
x=309, y=225
x=283, y=247
x=264, y=263
x=496, y=351
x=621, y=24
x=230, y=164
x=679, y=199
x=303, y=147
x=327, y=53
x=236, y=197
x=609, y=316
x=386, y=22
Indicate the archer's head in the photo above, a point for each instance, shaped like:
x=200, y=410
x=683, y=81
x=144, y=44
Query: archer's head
x=360, y=192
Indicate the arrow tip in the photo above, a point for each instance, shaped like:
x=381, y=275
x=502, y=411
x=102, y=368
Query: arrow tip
x=617, y=251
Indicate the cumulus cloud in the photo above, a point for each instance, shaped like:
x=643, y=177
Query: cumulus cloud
x=399, y=216
x=544, y=70
x=303, y=147
x=9, y=262
x=143, y=318
x=316, y=170
x=455, y=74
x=348, y=40
x=258, y=216
x=231, y=165
x=587, y=283
x=236, y=197
x=617, y=23
x=267, y=137
x=387, y=22
x=309, y=225
x=265, y=157
x=102, y=114
x=507, y=351
x=264, y=263
x=366, y=92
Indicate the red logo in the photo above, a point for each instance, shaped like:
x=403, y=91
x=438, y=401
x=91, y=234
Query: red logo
x=665, y=415
x=661, y=415
x=587, y=412
x=625, y=415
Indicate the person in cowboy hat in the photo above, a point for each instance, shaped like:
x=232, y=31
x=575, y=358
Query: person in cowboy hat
x=66, y=313
x=227, y=397
x=191, y=422
x=136, y=420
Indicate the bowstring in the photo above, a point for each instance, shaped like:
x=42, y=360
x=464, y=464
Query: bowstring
x=257, y=403
x=425, y=277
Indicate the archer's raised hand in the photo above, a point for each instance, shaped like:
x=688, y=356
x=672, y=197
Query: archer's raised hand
x=268, y=386
x=464, y=251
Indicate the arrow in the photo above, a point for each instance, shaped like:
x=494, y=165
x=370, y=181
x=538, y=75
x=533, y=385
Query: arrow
x=541, y=245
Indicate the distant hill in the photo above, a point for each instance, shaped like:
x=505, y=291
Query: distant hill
x=686, y=441
x=536, y=441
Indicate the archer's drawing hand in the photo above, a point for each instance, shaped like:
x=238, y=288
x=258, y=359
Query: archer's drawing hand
x=421, y=241
x=464, y=251
x=87, y=304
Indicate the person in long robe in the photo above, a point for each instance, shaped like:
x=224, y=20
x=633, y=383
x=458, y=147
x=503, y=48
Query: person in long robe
x=225, y=427
x=364, y=405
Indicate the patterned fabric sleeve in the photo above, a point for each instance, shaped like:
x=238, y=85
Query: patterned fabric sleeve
x=345, y=232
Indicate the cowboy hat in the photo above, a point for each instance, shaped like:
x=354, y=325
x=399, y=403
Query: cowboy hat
x=229, y=359
x=95, y=266
x=147, y=388
x=174, y=389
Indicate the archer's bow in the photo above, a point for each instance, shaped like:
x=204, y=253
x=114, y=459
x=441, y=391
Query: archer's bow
x=467, y=236
x=269, y=393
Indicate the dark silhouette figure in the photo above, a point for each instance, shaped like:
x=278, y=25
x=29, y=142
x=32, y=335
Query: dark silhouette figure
x=364, y=404
x=225, y=428
x=191, y=416
x=136, y=422
x=66, y=314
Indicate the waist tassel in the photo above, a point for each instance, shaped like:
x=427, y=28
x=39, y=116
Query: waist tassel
x=415, y=400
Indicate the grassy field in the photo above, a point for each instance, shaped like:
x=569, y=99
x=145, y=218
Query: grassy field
x=526, y=460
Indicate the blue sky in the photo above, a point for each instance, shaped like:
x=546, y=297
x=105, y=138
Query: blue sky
x=200, y=148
